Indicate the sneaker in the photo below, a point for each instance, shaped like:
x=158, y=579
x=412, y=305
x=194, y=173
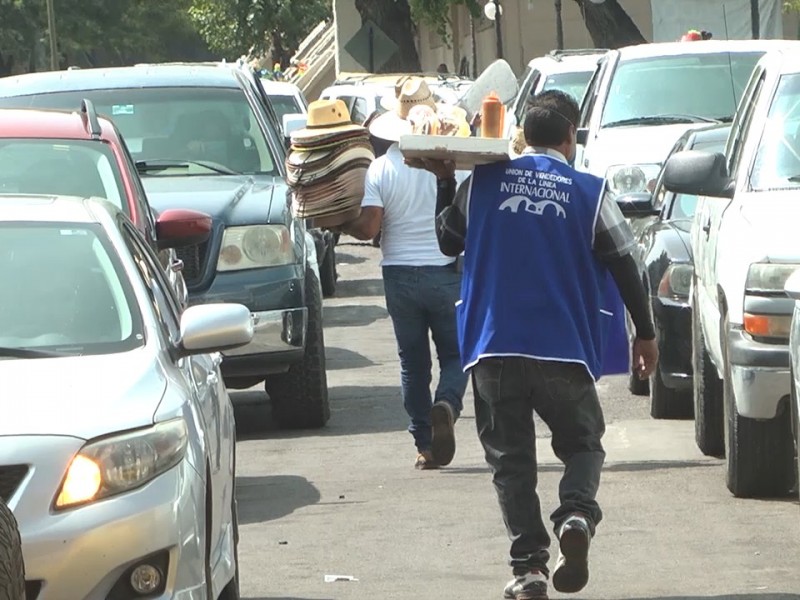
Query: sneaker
x=425, y=461
x=530, y=586
x=572, y=568
x=443, y=444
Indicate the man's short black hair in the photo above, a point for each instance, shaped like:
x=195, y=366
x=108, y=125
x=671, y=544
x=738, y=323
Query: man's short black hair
x=549, y=118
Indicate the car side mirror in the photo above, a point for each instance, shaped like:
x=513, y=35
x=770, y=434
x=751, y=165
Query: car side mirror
x=179, y=228
x=637, y=205
x=582, y=136
x=209, y=328
x=792, y=286
x=698, y=173
x=292, y=123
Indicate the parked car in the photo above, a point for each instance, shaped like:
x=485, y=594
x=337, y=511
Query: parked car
x=656, y=92
x=202, y=138
x=744, y=237
x=78, y=153
x=793, y=291
x=566, y=70
x=285, y=97
x=122, y=428
x=12, y=563
x=661, y=223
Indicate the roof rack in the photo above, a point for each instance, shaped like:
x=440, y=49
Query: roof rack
x=559, y=54
x=89, y=116
x=358, y=78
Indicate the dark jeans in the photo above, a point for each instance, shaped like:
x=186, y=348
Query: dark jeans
x=507, y=391
x=421, y=301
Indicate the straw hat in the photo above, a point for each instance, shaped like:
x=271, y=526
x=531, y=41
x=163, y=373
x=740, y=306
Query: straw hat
x=393, y=124
x=326, y=117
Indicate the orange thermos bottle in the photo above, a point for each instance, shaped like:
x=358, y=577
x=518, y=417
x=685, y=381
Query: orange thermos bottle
x=493, y=115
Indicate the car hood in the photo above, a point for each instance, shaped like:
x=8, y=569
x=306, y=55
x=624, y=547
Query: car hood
x=634, y=145
x=231, y=199
x=81, y=396
x=772, y=218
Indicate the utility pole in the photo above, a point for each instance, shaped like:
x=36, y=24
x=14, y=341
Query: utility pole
x=559, y=26
x=498, y=29
x=51, y=26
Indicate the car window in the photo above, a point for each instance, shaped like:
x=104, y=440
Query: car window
x=573, y=84
x=69, y=293
x=707, y=86
x=284, y=105
x=360, y=111
x=164, y=304
x=65, y=167
x=531, y=77
x=592, y=91
x=215, y=125
x=777, y=159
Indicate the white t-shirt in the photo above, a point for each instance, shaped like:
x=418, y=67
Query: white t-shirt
x=408, y=199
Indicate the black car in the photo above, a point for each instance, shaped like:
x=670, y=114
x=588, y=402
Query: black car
x=662, y=222
x=203, y=138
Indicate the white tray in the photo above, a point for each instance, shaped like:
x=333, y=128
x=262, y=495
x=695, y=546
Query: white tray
x=467, y=152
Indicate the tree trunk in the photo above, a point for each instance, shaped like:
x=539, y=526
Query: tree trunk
x=609, y=25
x=394, y=19
x=6, y=65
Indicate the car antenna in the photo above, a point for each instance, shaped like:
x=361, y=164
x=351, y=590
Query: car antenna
x=730, y=60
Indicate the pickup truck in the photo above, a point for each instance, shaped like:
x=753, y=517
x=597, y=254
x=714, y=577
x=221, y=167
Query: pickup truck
x=745, y=242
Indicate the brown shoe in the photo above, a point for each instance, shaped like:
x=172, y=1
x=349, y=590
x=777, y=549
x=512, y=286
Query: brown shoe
x=443, y=444
x=425, y=461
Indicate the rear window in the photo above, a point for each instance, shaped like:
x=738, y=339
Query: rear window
x=573, y=84
x=60, y=167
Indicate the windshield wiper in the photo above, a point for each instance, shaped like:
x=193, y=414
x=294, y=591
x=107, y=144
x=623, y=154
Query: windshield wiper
x=10, y=352
x=661, y=120
x=161, y=164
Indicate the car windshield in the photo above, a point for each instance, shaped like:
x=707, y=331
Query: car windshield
x=573, y=84
x=60, y=167
x=64, y=291
x=678, y=89
x=777, y=160
x=215, y=127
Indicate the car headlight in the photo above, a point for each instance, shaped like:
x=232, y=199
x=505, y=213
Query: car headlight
x=121, y=463
x=676, y=282
x=632, y=179
x=768, y=278
x=255, y=246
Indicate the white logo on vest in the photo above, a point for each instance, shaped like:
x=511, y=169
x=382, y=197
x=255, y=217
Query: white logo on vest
x=536, y=208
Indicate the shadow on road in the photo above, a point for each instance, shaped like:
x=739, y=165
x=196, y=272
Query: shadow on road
x=262, y=499
x=342, y=358
x=748, y=596
x=349, y=259
x=627, y=467
x=276, y=598
x=358, y=315
x=354, y=410
x=351, y=288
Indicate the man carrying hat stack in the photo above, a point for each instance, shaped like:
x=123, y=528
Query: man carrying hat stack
x=421, y=284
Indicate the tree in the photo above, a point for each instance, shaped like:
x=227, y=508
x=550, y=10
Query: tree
x=393, y=17
x=249, y=27
x=436, y=14
x=609, y=25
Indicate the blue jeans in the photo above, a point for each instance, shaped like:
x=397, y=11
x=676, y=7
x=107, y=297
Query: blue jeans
x=422, y=300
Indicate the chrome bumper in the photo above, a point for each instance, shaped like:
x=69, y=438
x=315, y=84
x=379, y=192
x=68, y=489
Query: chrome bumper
x=759, y=390
x=275, y=331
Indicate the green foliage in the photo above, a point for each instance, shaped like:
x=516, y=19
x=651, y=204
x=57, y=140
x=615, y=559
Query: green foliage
x=237, y=27
x=790, y=5
x=436, y=14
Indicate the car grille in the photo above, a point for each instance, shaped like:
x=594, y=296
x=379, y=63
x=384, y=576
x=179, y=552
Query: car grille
x=10, y=478
x=194, y=261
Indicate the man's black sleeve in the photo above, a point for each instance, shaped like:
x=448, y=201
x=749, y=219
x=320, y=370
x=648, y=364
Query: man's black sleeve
x=626, y=275
x=451, y=220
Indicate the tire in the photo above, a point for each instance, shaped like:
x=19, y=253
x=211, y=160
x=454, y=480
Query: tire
x=760, y=454
x=709, y=418
x=300, y=396
x=327, y=271
x=12, y=564
x=668, y=403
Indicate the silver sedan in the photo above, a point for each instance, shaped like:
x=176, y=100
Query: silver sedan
x=117, y=439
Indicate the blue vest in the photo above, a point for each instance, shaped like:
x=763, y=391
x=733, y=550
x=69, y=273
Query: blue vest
x=532, y=285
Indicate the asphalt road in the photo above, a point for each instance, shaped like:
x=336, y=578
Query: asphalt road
x=346, y=500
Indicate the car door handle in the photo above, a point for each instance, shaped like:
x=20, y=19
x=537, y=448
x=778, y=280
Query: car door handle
x=707, y=227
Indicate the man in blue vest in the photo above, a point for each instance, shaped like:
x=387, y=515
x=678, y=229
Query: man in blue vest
x=540, y=240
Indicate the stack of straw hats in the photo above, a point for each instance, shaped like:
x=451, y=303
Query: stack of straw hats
x=327, y=165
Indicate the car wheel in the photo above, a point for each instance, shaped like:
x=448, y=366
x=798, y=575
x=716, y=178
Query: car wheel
x=668, y=403
x=760, y=453
x=300, y=396
x=709, y=420
x=327, y=271
x=12, y=564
